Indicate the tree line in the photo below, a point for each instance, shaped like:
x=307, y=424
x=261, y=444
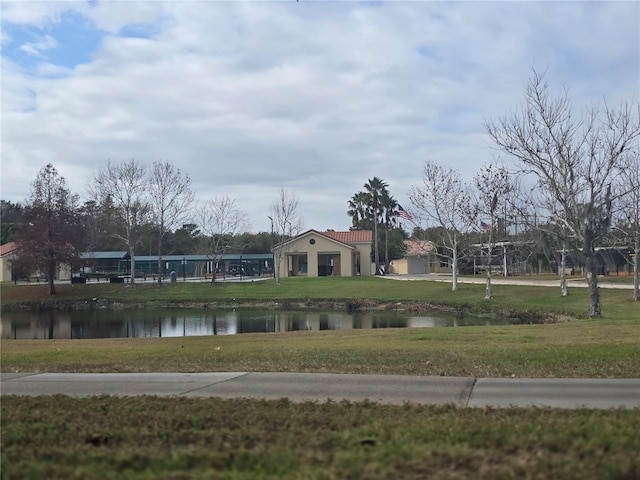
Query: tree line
x=133, y=207
x=573, y=185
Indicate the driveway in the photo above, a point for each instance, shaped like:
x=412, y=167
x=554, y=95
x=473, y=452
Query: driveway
x=499, y=280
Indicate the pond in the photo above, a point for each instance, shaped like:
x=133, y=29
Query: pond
x=85, y=324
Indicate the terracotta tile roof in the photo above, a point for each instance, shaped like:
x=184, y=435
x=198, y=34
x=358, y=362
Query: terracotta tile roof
x=418, y=247
x=351, y=237
x=7, y=248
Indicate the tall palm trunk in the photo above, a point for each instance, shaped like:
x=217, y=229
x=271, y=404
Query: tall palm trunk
x=375, y=243
x=386, y=249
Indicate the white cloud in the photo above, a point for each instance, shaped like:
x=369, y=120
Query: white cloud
x=315, y=96
x=112, y=16
x=36, y=48
x=36, y=13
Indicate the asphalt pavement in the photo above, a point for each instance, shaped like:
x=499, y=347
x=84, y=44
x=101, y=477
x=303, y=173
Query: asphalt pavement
x=320, y=387
x=532, y=280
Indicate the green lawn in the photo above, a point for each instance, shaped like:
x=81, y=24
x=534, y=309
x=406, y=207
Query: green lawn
x=568, y=347
x=179, y=438
x=163, y=438
x=338, y=291
x=580, y=348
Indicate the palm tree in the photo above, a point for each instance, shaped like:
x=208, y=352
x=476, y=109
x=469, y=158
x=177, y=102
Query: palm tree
x=358, y=210
x=375, y=189
x=389, y=208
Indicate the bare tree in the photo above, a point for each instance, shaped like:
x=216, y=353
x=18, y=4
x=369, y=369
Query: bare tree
x=98, y=224
x=171, y=198
x=627, y=218
x=493, y=184
x=220, y=221
x=49, y=232
x=550, y=233
x=286, y=223
x=127, y=186
x=444, y=199
x=564, y=288
x=573, y=160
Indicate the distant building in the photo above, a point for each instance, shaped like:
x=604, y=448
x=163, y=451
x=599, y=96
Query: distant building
x=7, y=254
x=420, y=258
x=118, y=263
x=319, y=254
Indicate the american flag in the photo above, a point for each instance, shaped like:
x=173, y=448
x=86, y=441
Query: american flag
x=485, y=227
x=403, y=213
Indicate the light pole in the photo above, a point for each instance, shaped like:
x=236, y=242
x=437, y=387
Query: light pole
x=273, y=266
x=184, y=269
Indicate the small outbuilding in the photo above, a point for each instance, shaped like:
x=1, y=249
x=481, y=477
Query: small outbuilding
x=420, y=257
x=7, y=254
x=319, y=254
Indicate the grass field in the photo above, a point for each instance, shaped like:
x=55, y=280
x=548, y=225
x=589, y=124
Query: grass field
x=179, y=438
x=572, y=347
x=581, y=348
x=369, y=291
x=145, y=437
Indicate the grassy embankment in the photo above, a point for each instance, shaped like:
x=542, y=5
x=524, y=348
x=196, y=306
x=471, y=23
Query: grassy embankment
x=161, y=438
x=608, y=347
x=146, y=437
x=369, y=291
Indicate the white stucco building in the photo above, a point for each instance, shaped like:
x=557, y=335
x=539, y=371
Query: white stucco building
x=317, y=254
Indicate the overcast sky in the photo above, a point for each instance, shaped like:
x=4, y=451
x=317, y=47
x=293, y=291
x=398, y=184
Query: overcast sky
x=315, y=96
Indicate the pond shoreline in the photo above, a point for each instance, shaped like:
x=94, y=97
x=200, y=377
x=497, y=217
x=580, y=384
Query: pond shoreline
x=349, y=305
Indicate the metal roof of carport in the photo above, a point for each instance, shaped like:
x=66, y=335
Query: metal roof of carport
x=104, y=255
x=121, y=255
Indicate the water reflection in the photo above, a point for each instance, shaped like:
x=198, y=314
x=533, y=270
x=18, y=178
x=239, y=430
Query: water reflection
x=186, y=323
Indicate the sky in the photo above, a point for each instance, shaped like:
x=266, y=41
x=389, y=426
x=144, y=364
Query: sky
x=313, y=96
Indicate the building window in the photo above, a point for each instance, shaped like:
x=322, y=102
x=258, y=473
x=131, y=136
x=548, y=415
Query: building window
x=312, y=241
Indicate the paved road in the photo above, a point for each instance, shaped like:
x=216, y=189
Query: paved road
x=498, y=280
x=393, y=389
